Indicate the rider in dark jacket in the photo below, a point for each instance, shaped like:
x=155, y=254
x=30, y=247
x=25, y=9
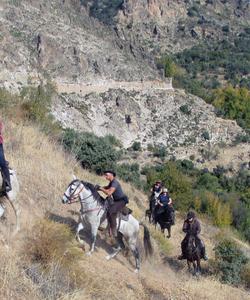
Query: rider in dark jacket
x=163, y=201
x=192, y=226
x=155, y=192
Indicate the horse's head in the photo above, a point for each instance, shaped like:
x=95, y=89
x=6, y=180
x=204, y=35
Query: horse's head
x=73, y=191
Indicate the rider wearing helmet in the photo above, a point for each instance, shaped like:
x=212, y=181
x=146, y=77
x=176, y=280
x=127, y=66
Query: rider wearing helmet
x=164, y=198
x=191, y=226
x=163, y=202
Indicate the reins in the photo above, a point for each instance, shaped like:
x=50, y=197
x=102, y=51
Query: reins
x=82, y=200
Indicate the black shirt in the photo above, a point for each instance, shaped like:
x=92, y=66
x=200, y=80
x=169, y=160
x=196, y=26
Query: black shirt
x=118, y=193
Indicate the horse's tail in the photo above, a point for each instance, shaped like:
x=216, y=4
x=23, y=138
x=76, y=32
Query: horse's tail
x=15, y=212
x=146, y=241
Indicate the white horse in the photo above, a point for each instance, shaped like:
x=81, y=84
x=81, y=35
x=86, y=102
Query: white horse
x=93, y=212
x=11, y=196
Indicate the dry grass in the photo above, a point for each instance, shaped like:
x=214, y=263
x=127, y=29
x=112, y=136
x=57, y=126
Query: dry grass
x=14, y=284
x=51, y=263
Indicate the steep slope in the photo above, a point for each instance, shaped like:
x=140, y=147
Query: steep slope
x=44, y=172
x=163, y=25
x=58, y=40
x=158, y=116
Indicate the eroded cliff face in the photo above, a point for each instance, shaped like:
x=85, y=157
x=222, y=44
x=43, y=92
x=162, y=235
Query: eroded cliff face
x=63, y=42
x=156, y=116
x=160, y=26
x=57, y=40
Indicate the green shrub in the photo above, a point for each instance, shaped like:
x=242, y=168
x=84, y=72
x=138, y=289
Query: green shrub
x=230, y=261
x=209, y=182
x=159, y=151
x=36, y=104
x=150, y=147
x=185, y=109
x=193, y=11
x=94, y=153
x=205, y=135
x=112, y=140
x=167, y=63
x=130, y=173
x=136, y=146
x=245, y=275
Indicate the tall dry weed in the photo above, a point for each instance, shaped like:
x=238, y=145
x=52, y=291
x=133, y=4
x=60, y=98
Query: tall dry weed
x=53, y=259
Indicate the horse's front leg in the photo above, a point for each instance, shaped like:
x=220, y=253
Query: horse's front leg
x=198, y=268
x=195, y=267
x=94, y=230
x=189, y=266
x=169, y=231
x=80, y=227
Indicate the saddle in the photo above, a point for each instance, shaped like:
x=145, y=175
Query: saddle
x=124, y=214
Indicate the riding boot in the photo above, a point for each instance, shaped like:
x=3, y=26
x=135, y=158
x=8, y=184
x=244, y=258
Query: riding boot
x=183, y=246
x=203, y=253
x=119, y=242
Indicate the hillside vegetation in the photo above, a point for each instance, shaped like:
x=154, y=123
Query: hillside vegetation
x=46, y=263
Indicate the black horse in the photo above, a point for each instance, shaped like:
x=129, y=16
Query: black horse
x=193, y=253
x=165, y=217
x=150, y=213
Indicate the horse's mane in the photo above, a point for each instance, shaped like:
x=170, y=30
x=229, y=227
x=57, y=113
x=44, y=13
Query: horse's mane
x=91, y=187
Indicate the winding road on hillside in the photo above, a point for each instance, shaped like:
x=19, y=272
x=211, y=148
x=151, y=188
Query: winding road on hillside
x=101, y=86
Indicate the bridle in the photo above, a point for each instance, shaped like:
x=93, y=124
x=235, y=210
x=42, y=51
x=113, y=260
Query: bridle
x=72, y=197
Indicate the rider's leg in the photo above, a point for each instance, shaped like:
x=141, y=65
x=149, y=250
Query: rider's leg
x=201, y=245
x=183, y=246
x=5, y=169
x=113, y=210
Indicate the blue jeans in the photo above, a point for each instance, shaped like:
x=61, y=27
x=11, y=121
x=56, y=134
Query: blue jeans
x=4, y=168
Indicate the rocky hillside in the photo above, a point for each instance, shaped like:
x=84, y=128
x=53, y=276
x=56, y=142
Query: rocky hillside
x=163, y=25
x=158, y=116
x=57, y=40
x=44, y=172
x=94, y=54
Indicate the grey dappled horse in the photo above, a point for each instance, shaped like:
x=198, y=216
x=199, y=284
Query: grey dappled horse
x=11, y=197
x=93, y=212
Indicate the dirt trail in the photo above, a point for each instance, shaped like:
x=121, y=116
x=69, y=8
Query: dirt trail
x=162, y=277
x=101, y=86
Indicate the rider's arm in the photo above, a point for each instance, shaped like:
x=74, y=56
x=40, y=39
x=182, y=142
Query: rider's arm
x=108, y=191
x=170, y=201
x=185, y=227
x=159, y=202
x=198, y=228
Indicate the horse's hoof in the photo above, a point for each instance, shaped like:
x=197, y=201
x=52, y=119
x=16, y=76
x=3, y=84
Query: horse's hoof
x=136, y=271
x=89, y=253
x=168, y=236
x=108, y=257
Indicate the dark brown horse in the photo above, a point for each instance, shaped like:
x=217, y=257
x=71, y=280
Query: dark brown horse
x=192, y=253
x=165, y=217
x=150, y=213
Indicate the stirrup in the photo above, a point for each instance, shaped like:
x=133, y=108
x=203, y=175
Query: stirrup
x=181, y=257
x=117, y=248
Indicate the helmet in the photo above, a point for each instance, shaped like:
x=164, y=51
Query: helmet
x=158, y=181
x=190, y=215
x=165, y=190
